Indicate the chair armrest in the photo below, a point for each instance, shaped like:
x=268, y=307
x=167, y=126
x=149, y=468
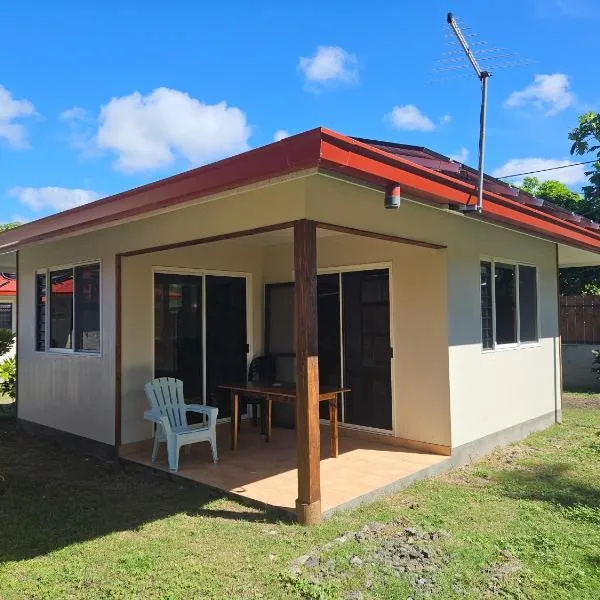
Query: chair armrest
x=210, y=411
x=156, y=417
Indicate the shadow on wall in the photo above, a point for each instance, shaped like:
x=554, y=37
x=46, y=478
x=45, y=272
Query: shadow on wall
x=50, y=499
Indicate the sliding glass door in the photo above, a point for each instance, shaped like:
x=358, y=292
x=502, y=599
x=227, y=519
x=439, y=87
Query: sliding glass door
x=200, y=333
x=354, y=341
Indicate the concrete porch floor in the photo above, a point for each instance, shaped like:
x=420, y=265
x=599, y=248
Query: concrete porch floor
x=267, y=473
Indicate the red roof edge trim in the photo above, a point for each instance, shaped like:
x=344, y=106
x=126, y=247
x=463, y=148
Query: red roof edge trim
x=295, y=153
x=350, y=156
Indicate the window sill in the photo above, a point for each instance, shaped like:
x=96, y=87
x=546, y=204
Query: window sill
x=508, y=347
x=60, y=352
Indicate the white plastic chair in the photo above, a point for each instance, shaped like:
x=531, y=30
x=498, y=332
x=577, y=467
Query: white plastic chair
x=169, y=413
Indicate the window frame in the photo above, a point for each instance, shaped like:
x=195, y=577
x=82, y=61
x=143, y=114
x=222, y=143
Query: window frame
x=12, y=314
x=518, y=344
x=70, y=351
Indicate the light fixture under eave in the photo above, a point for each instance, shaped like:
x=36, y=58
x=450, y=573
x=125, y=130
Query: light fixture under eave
x=392, y=196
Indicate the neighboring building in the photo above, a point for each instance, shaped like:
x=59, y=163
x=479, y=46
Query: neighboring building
x=8, y=301
x=444, y=323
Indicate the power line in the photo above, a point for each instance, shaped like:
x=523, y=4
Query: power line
x=585, y=162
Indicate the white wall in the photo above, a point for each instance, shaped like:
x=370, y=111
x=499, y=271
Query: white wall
x=489, y=391
x=437, y=335
x=76, y=393
x=421, y=403
x=235, y=256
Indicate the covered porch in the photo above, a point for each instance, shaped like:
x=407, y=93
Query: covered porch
x=324, y=301
x=267, y=473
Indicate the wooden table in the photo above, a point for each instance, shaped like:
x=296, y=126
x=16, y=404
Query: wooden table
x=286, y=394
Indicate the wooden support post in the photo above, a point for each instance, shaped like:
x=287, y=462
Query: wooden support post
x=308, y=503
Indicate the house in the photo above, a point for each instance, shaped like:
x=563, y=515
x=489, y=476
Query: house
x=442, y=320
x=8, y=301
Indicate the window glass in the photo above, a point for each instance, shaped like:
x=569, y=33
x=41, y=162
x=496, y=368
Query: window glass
x=505, y=293
x=87, y=308
x=487, y=331
x=40, y=311
x=527, y=304
x=5, y=315
x=61, y=309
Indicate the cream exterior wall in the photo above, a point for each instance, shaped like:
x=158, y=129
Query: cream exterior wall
x=421, y=403
x=232, y=256
x=76, y=393
x=489, y=391
x=446, y=390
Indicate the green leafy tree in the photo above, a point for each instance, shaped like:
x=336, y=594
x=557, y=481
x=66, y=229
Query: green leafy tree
x=6, y=226
x=554, y=191
x=586, y=140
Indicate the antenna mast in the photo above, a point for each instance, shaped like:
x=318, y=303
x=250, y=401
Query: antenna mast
x=483, y=77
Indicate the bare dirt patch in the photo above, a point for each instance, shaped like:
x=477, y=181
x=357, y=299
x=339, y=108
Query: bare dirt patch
x=581, y=400
x=400, y=550
x=502, y=573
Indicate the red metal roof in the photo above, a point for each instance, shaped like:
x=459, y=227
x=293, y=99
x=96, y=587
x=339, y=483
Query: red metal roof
x=421, y=173
x=8, y=284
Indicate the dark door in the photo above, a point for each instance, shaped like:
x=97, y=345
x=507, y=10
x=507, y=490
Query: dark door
x=226, y=338
x=367, y=365
x=178, y=331
x=328, y=307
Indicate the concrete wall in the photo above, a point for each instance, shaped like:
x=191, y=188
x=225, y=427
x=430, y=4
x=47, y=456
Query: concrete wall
x=446, y=390
x=421, y=402
x=577, y=366
x=234, y=256
x=489, y=391
x=76, y=393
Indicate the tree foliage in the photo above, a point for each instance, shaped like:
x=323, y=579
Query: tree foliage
x=586, y=140
x=554, y=191
x=6, y=226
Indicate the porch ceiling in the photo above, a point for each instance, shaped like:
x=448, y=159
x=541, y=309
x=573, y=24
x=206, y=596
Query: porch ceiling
x=569, y=256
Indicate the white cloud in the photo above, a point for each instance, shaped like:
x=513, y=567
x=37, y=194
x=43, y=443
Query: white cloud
x=574, y=175
x=329, y=65
x=445, y=119
x=410, y=118
x=461, y=156
x=10, y=111
x=549, y=93
x=147, y=132
x=52, y=198
x=280, y=134
x=74, y=114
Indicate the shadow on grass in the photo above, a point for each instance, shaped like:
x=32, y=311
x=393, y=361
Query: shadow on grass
x=50, y=498
x=556, y=484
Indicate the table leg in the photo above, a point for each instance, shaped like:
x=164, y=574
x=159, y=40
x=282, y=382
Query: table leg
x=234, y=420
x=269, y=406
x=333, y=427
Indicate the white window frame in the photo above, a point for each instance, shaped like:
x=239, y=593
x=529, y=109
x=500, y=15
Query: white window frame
x=517, y=264
x=69, y=351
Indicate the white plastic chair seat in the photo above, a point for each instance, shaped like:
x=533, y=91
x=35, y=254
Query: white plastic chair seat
x=169, y=413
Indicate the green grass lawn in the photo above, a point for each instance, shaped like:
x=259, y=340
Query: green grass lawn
x=523, y=523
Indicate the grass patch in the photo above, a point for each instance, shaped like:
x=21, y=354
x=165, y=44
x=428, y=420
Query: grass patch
x=523, y=523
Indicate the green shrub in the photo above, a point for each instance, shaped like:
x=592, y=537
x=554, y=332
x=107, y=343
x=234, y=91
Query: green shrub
x=596, y=363
x=8, y=378
x=7, y=340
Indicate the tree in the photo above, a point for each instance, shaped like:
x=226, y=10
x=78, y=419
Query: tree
x=6, y=226
x=586, y=139
x=554, y=191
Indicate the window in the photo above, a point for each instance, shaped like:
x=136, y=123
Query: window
x=487, y=319
x=6, y=315
x=509, y=313
x=74, y=309
x=40, y=311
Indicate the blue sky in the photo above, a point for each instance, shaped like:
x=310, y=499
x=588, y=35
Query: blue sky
x=101, y=98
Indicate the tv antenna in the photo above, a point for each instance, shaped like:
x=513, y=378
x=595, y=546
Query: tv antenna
x=483, y=76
